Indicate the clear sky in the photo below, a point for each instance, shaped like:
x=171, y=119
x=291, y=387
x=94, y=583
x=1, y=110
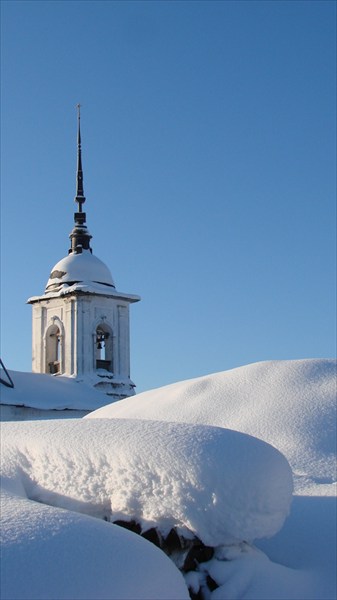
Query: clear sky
x=208, y=137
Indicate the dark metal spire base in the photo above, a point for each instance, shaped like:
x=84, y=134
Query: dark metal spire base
x=80, y=239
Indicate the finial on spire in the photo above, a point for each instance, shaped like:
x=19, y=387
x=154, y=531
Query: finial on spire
x=80, y=236
x=79, y=198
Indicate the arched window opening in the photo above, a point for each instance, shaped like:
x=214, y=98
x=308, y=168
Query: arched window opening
x=103, y=348
x=53, y=350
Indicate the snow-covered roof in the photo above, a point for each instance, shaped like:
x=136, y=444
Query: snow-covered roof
x=81, y=273
x=45, y=392
x=79, y=267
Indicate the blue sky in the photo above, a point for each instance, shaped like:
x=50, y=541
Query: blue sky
x=208, y=135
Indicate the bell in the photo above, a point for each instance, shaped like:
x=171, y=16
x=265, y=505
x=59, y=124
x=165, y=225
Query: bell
x=99, y=346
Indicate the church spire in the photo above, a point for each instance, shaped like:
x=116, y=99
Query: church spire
x=80, y=198
x=80, y=236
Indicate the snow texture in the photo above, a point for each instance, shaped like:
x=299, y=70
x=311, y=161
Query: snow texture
x=220, y=485
x=52, y=553
x=289, y=404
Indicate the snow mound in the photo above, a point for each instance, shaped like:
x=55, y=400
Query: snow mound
x=56, y=554
x=248, y=573
x=289, y=404
x=220, y=485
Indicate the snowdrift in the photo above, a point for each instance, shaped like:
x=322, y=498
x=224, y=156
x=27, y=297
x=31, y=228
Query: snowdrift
x=166, y=457
x=219, y=485
x=57, y=554
x=289, y=404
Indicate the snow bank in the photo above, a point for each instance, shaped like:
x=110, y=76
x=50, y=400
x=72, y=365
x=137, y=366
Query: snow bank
x=289, y=404
x=248, y=574
x=219, y=484
x=56, y=554
x=308, y=544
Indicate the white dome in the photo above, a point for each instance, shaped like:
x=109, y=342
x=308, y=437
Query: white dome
x=76, y=268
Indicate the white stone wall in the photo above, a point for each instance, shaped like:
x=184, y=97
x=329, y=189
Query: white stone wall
x=77, y=317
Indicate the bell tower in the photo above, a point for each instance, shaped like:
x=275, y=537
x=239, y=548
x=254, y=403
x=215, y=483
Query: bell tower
x=81, y=325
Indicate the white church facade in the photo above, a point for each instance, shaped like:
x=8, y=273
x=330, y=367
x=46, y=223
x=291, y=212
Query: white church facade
x=81, y=326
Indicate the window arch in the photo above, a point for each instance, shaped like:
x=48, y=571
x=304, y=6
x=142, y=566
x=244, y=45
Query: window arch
x=103, y=341
x=53, y=350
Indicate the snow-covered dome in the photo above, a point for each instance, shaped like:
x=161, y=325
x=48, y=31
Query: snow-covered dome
x=77, y=268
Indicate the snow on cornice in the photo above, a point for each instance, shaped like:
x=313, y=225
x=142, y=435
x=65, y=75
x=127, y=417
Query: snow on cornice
x=83, y=288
